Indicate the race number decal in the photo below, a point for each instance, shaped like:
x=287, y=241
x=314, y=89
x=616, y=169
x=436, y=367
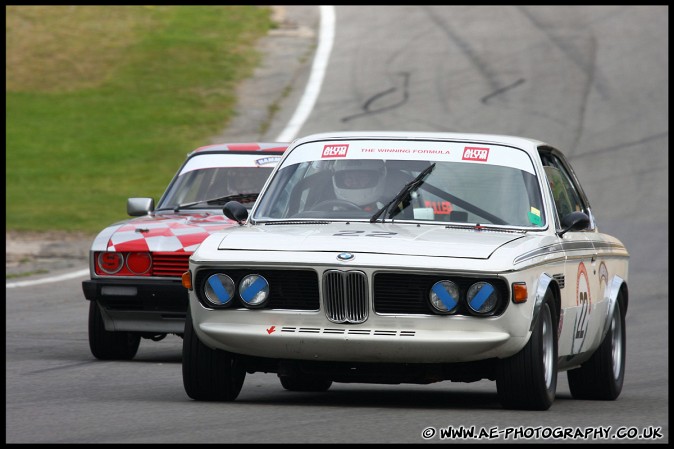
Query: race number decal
x=584, y=301
x=603, y=276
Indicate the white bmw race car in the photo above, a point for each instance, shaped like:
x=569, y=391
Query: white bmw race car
x=396, y=257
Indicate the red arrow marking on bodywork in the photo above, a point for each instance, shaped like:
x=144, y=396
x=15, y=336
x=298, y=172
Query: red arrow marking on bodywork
x=271, y=329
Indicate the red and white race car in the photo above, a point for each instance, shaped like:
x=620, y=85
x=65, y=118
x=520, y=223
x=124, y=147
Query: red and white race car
x=136, y=265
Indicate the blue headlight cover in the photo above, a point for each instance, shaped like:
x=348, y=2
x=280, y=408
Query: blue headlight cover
x=482, y=297
x=254, y=290
x=444, y=296
x=219, y=289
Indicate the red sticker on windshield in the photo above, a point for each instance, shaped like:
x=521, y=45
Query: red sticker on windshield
x=439, y=207
x=335, y=150
x=475, y=154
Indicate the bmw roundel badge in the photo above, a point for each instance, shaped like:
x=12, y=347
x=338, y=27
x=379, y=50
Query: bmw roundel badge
x=345, y=256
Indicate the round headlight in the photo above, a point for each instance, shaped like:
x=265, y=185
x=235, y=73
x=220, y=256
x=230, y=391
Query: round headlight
x=139, y=263
x=254, y=290
x=444, y=296
x=482, y=298
x=110, y=263
x=219, y=289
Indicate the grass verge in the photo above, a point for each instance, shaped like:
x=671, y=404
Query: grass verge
x=104, y=102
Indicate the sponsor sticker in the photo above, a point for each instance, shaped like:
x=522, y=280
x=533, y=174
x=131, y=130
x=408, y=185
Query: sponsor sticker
x=535, y=216
x=268, y=160
x=335, y=150
x=475, y=154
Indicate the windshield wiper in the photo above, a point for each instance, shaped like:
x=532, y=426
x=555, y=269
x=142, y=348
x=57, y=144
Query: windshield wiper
x=406, y=190
x=479, y=227
x=241, y=197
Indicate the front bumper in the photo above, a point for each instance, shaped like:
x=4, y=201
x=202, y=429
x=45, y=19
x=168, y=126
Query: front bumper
x=144, y=305
x=308, y=336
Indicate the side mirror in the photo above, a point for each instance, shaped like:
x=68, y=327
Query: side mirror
x=235, y=211
x=137, y=207
x=575, y=221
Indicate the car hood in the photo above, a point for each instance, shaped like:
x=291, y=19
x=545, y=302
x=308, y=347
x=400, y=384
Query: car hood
x=391, y=239
x=161, y=232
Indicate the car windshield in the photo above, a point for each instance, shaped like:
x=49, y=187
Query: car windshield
x=401, y=180
x=209, y=180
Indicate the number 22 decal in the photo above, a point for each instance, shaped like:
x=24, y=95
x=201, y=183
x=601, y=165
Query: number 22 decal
x=584, y=300
x=384, y=234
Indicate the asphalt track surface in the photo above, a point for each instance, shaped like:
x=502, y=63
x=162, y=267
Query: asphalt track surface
x=591, y=80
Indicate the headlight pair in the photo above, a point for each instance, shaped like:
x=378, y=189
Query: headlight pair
x=253, y=290
x=481, y=298
x=123, y=264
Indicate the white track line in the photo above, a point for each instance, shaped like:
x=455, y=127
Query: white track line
x=306, y=104
x=62, y=277
x=304, y=108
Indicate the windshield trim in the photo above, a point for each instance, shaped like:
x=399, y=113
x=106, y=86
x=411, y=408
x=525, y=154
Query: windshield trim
x=446, y=224
x=531, y=167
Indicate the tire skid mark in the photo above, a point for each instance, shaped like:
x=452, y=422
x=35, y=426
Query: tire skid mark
x=465, y=48
x=501, y=90
x=62, y=367
x=572, y=52
x=366, y=106
x=588, y=68
x=650, y=138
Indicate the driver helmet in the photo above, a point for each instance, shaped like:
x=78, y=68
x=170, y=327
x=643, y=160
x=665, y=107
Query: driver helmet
x=359, y=181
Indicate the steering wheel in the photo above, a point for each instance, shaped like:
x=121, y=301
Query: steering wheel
x=329, y=205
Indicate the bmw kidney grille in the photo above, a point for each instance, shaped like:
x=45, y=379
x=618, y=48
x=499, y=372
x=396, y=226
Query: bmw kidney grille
x=346, y=296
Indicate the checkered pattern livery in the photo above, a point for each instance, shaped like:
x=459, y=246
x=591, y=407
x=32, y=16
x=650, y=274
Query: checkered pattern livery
x=247, y=147
x=173, y=233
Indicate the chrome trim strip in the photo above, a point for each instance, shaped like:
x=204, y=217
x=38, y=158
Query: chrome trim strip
x=574, y=246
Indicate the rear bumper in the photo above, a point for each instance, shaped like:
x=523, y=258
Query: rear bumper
x=144, y=305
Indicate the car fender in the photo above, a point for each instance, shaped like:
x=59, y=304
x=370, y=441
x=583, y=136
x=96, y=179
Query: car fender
x=543, y=284
x=612, y=298
x=100, y=243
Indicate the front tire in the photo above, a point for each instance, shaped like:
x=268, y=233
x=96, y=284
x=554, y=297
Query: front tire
x=209, y=374
x=106, y=345
x=602, y=376
x=528, y=380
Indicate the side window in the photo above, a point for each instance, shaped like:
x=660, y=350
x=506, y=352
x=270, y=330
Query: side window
x=561, y=191
x=564, y=193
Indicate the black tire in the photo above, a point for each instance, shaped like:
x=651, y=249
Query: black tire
x=107, y=345
x=528, y=380
x=209, y=374
x=602, y=376
x=301, y=383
